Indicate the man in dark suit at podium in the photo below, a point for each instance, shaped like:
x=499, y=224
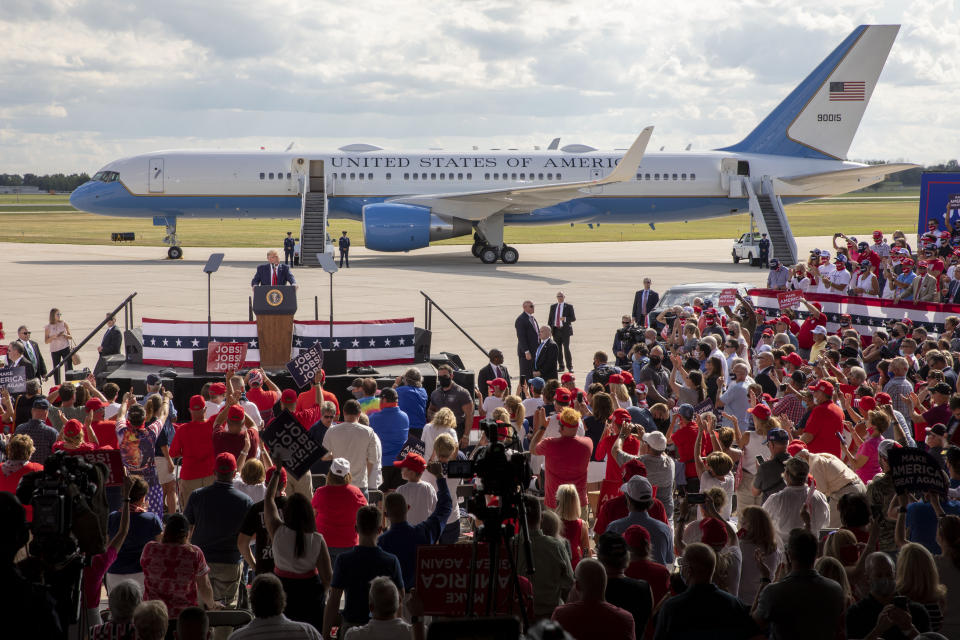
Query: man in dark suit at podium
x=562, y=318
x=273, y=273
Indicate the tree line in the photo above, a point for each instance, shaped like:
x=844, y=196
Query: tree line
x=49, y=182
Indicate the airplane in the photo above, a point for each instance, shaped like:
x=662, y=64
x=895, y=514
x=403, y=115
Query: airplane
x=407, y=200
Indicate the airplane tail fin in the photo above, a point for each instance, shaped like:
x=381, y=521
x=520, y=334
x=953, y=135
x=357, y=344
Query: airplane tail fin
x=820, y=117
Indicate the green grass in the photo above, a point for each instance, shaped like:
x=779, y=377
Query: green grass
x=60, y=223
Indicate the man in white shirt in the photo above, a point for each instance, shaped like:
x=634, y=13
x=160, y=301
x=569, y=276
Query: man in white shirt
x=217, y=392
x=251, y=409
x=787, y=507
x=535, y=401
x=357, y=443
x=825, y=269
x=838, y=280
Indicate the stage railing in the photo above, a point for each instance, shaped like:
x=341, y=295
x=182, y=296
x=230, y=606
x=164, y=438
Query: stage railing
x=429, y=305
x=126, y=305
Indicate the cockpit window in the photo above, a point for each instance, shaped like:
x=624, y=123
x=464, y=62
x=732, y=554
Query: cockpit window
x=106, y=176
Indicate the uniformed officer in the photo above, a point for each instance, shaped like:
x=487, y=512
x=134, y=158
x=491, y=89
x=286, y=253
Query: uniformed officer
x=764, y=251
x=288, y=246
x=344, y=250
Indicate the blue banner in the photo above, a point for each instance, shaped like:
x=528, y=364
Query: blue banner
x=939, y=195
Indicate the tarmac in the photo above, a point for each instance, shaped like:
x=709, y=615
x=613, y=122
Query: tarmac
x=599, y=280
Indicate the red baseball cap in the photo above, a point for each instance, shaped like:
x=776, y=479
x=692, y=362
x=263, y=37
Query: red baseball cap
x=633, y=468
x=713, y=532
x=877, y=234
x=568, y=377
x=868, y=403
x=562, y=395
x=226, y=463
x=636, y=536
x=768, y=331
x=882, y=399
x=627, y=377
x=72, y=428
x=642, y=388
x=218, y=389
x=822, y=386
x=621, y=416
x=795, y=446
x=197, y=403
x=235, y=413
x=761, y=411
x=500, y=383
x=289, y=396
x=412, y=461
x=794, y=358
x=784, y=319
x=94, y=404
x=615, y=378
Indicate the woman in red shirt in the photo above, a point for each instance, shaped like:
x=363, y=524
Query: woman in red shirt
x=17, y=465
x=336, y=504
x=175, y=571
x=683, y=433
x=71, y=438
x=610, y=487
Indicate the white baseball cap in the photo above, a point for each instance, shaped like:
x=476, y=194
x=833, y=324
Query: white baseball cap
x=340, y=467
x=820, y=329
x=656, y=440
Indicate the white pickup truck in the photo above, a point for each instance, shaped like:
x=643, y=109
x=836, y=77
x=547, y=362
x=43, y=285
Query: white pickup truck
x=747, y=247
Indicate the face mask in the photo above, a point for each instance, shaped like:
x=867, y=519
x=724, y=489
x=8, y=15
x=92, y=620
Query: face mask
x=655, y=361
x=883, y=587
x=803, y=403
x=900, y=352
x=444, y=381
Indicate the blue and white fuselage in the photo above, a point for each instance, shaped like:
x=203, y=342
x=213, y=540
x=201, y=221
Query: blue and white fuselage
x=798, y=151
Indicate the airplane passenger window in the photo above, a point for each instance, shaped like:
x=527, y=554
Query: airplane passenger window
x=406, y=176
x=288, y=175
x=683, y=176
x=262, y=175
x=433, y=176
x=343, y=176
x=646, y=176
x=360, y=175
x=469, y=176
x=496, y=176
x=558, y=176
x=513, y=176
x=369, y=176
x=353, y=176
x=656, y=176
x=693, y=176
x=388, y=176
x=674, y=176
x=523, y=176
x=443, y=176
x=414, y=176
x=549, y=176
x=539, y=176
x=271, y=176
x=459, y=176
x=639, y=177
x=486, y=176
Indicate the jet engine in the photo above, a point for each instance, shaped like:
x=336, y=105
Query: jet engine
x=402, y=227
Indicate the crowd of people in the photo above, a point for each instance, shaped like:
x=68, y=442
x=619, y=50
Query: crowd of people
x=722, y=475
x=879, y=269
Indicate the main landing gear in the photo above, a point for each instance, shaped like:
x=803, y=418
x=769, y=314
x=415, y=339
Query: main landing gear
x=488, y=242
x=171, y=240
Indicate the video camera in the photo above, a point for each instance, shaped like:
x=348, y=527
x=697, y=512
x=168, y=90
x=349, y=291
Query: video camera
x=502, y=472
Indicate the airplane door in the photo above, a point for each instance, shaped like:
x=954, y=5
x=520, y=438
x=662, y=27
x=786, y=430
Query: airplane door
x=729, y=177
x=155, y=175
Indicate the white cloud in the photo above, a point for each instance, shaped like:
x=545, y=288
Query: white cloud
x=87, y=81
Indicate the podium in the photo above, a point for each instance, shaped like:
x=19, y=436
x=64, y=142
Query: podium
x=274, y=306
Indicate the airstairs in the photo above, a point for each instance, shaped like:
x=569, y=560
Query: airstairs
x=767, y=210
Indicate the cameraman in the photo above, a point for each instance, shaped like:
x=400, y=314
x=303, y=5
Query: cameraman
x=624, y=339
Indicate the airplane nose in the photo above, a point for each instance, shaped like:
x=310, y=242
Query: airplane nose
x=83, y=196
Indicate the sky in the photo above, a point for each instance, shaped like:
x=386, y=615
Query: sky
x=84, y=82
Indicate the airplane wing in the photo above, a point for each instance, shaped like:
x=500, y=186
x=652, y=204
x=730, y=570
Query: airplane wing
x=877, y=171
x=477, y=205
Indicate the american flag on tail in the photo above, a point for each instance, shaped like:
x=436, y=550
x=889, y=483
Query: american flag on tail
x=171, y=343
x=848, y=91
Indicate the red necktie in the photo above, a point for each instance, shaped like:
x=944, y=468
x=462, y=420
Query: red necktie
x=273, y=278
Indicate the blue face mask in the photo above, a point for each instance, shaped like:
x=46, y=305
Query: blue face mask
x=803, y=403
